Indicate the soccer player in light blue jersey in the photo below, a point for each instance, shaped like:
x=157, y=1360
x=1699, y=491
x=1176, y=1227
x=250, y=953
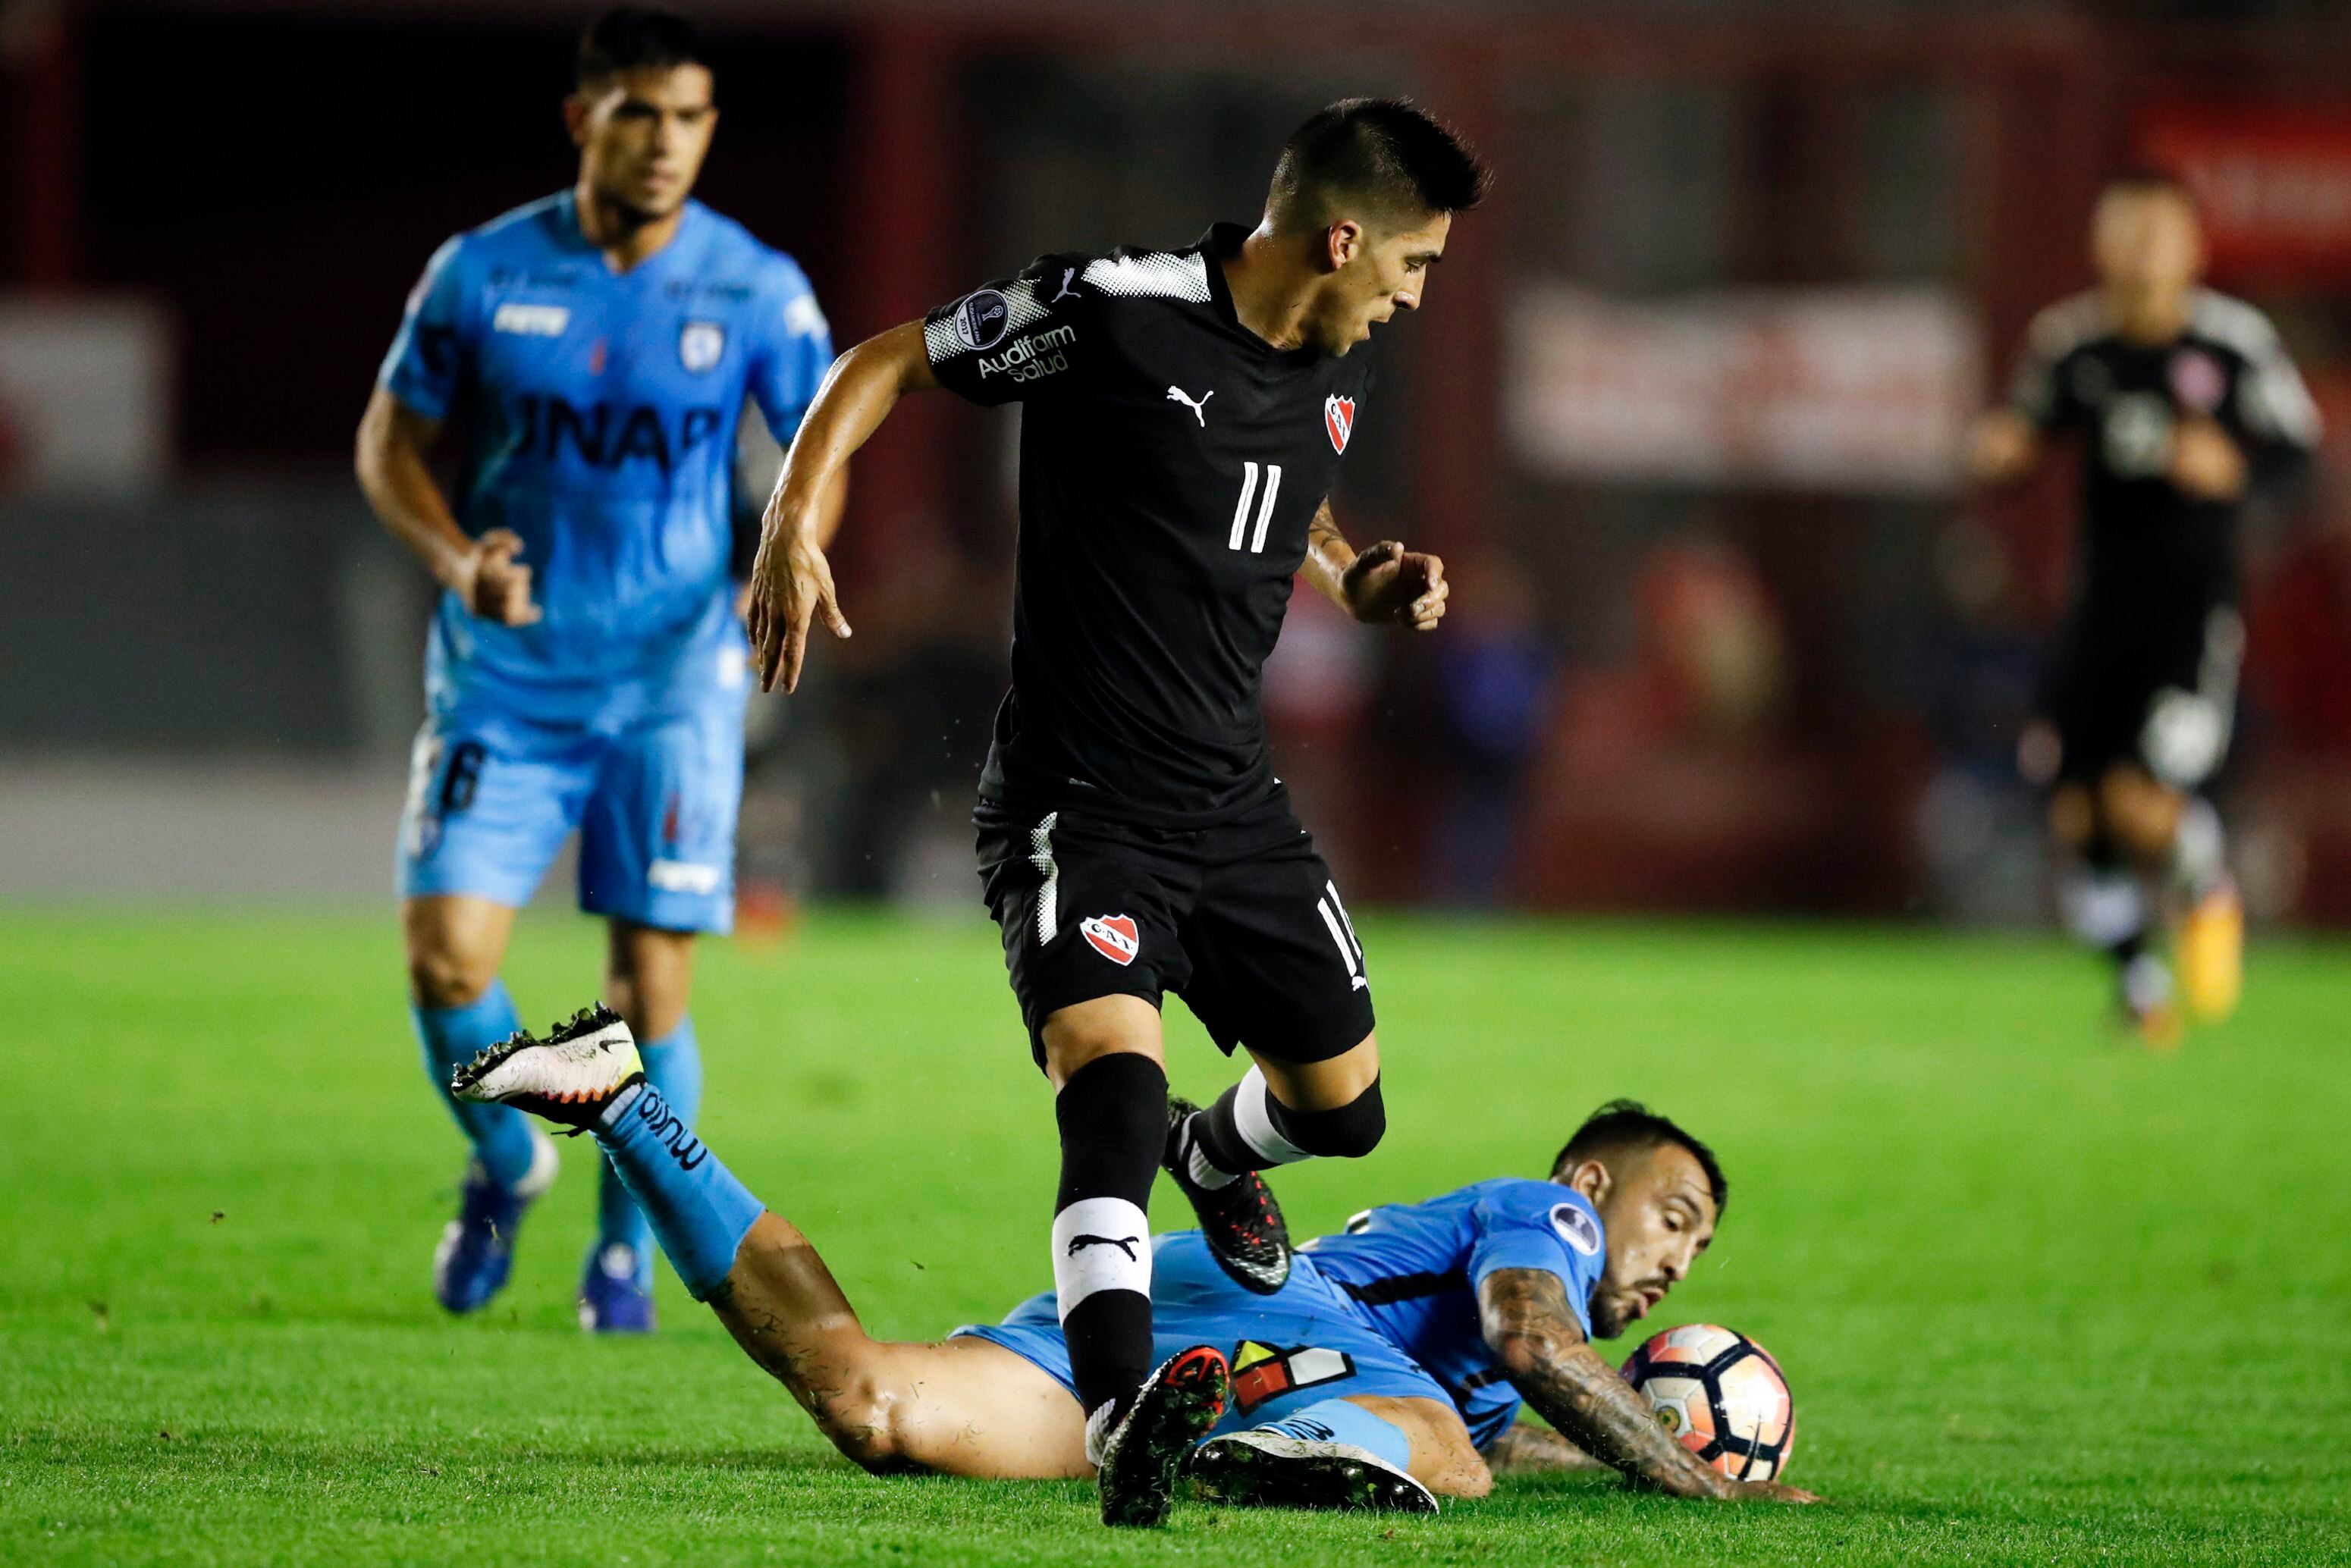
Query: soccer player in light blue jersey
x=587, y=667
x=1387, y=1371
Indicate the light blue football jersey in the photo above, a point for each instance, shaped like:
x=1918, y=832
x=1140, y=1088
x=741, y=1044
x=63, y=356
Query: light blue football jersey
x=1414, y=1271
x=597, y=410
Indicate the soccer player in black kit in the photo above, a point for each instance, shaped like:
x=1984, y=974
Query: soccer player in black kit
x=2185, y=403
x=1186, y=414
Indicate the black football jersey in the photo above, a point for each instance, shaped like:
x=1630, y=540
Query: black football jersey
x=1170, y=462
x=2150, y=551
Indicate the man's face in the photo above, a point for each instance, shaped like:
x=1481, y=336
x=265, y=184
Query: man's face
x=1658, y=1214
x=2148, y=247
x=1377, y=273
x=642, y=136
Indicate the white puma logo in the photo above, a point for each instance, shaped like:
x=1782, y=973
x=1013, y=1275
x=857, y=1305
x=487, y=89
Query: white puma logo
x=1199, y=409
x=1067, y=273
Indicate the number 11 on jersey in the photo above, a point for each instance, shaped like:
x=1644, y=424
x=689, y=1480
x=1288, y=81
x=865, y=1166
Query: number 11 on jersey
x=1264, y=506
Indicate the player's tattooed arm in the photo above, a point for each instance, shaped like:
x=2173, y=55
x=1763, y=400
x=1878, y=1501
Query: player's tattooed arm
x=1526, y=1446
x=1386, y=582
x=792, y=581
x=1531, y=1330
x=391, y=459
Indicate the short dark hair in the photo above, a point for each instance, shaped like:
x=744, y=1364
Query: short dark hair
x=1387, y=153
x=1629, y=1124
x=636, y=37
x=2146, y=180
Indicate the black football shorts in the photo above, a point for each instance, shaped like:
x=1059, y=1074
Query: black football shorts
x=1241, y=920
x=2161, y=695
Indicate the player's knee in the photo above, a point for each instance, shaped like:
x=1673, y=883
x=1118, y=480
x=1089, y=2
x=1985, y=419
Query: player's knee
x=441, y=977
x=1456, y=1476
x=2142, y=815
x=2072, y=817
x=862, y=1418
x=1350, y=1132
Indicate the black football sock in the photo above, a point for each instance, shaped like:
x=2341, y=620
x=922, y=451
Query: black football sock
x=1114, y=1117
x=1248, y=1130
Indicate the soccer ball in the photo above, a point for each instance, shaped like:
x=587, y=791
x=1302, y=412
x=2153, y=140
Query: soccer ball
x=1722, y=1395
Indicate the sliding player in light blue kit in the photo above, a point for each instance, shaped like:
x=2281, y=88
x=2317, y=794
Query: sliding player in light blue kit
x=1386, y=1371
x=586, y=665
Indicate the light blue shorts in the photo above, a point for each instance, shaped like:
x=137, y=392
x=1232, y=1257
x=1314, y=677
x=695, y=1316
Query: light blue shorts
x=492, y=796
x=1289, y=1350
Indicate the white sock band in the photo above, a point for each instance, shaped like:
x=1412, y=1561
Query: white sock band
x=2200, y=848
x=1204, y=1171
x=1253, y=1118
x=2105, y=907
x=609, y=1117
x=1100, y=1244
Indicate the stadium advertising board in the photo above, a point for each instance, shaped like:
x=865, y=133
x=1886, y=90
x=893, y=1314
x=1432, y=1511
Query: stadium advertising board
x=2274, y=187
x=85, y=389
x=1853, y=390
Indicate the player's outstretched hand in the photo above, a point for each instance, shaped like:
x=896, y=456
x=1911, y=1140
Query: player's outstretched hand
x=1390, y=583
x=791, y=585
x=494, y=584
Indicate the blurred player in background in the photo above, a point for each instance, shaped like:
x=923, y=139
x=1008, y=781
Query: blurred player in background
x=1389, y=1368
x=1184, y=415
x=587, y=667
x=2185, y=403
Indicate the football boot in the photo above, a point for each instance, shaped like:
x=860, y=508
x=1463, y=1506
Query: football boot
x=616, y=1291
x=476, y=1250
x=1139, y=1450
x=1240, y=1221
x=1263, y=1468
x=569, y=1078
x=2211, y=953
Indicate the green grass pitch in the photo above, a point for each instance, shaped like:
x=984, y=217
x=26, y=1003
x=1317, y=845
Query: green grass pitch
x=2041, y=1300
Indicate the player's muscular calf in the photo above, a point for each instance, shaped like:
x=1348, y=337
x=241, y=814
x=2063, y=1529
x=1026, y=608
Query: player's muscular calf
x=649, y=977
x=1443, y=1458
x=961, y=1407
x=1527, y=1320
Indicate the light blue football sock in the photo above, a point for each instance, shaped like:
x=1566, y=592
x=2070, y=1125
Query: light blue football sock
x=501, y=1134
x=674, y=1066
x=1337, y=1421
x=699, y=1212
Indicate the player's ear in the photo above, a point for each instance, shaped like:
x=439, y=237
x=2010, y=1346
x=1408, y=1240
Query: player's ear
x=1343, y=242
x=575, y=117
x=1591, y=1178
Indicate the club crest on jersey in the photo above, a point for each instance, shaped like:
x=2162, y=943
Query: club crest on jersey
x=1113, y=936
x=2197, y=381
x=1339, y=418
x=1575, y=1228
x=982, y=320
x=701, y=345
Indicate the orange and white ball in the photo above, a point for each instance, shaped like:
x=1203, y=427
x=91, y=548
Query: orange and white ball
x=1722, y=1395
